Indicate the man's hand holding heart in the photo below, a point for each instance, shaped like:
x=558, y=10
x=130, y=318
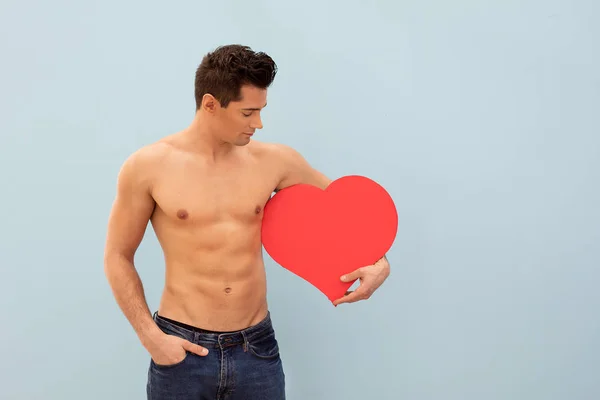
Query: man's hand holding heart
x=371, y=278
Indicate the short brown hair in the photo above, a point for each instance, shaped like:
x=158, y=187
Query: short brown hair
x=225, y=70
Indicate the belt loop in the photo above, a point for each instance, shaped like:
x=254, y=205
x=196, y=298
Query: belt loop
x=245, y=342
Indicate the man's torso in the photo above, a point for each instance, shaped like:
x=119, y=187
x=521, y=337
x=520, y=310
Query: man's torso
x=207, y=218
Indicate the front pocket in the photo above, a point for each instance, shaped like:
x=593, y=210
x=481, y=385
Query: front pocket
x=169, y=366
x=264, y=347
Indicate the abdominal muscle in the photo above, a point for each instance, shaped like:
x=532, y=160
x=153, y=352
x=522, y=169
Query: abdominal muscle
x=215, y=277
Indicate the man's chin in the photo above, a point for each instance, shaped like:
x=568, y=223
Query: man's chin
x=243, y=141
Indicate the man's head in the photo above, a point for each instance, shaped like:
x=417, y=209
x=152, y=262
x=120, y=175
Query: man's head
x=231, y=89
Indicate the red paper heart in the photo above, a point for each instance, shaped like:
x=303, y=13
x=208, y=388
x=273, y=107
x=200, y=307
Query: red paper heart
x=321, y=235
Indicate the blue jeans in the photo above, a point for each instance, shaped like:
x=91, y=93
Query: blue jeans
x=241, y=365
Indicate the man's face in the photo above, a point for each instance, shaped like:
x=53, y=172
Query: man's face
x=237, y=123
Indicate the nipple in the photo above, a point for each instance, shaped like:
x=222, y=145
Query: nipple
x=182, y=214
x=257, y=210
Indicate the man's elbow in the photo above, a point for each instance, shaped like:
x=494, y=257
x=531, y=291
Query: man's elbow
x=113, y=259
x=321, y=180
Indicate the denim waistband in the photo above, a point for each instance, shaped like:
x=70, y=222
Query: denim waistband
x=242, y=336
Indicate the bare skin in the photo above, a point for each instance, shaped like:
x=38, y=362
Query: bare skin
x=204, y=190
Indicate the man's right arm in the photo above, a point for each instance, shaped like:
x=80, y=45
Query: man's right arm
x=128, y=220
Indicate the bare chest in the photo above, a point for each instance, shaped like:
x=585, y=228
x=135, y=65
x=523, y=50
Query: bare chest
x=196, y=194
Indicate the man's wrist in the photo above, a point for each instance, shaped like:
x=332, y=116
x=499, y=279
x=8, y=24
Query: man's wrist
x=149, y=334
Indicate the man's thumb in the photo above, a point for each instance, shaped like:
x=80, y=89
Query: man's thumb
x=194, y=348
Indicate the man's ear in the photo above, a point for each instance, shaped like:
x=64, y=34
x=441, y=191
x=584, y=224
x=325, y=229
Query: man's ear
x=210, y=104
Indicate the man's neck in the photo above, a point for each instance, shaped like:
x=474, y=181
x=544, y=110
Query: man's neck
x=199, y=138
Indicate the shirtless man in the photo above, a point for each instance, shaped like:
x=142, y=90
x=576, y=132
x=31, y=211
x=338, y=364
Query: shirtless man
x=204, y=190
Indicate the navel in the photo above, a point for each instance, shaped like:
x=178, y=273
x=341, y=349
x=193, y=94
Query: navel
x=227, y=290
x=182, y=214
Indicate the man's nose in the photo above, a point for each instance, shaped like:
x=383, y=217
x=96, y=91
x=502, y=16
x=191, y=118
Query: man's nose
x=256, y=123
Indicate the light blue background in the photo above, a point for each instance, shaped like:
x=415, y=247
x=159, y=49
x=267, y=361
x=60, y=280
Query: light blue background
x=481, y=118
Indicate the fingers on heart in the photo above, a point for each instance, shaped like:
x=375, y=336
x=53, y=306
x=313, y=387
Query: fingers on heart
x=357, y=295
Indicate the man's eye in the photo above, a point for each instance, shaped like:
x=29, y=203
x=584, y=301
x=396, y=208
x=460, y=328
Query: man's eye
x=246, y=115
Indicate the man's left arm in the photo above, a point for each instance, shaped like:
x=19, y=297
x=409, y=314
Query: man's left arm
x=295, y=170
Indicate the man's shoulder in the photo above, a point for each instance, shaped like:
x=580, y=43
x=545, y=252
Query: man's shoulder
x=277, y=151
x=142, y=162
x=151, y=153
x=293, y=167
